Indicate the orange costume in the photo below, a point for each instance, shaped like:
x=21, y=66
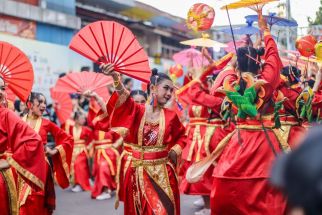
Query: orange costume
x=24, y=151
x=79, y=170
x=43, y=202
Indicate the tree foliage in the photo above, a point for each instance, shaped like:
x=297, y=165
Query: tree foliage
x=318, y=19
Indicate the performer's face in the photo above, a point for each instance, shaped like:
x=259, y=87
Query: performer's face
x=81, y=119
x=39, y=106
x=164, y=91
x=139, y=99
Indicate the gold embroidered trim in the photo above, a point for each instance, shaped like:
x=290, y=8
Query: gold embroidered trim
x=283, y=139
x=31, y=177
x=62, y=154
x=122, y=131
x=99, y=118
x=177, y=149
x=11, y=189
x=138, y=162
x=210, y=130
x=37, y=125
x=253, y=127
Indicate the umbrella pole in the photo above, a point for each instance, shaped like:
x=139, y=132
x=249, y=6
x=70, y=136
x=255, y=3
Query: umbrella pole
x=231, y=29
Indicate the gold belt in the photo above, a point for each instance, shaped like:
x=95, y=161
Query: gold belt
x=138, y=162
x=105, y=146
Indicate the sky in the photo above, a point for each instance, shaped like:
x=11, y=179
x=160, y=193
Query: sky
x=300, y=9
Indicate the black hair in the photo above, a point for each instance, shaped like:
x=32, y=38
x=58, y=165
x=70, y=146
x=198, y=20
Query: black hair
x=35, y=96
x=311, y=83
x=77, y=114
x=127, y=80
x=292, y=73
x=61, y=75
x=248, y=59
x=139, y=92
x=17, y=105
x=156, y=78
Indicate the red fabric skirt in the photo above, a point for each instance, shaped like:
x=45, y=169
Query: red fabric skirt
x=81, y=171
x=39, y=201
x=241, y=175
x=295, y=135
x=245, y=197
x=204, y=186
x=122, y=173
x=4, y=196
x=103, y=174
x=154, y=194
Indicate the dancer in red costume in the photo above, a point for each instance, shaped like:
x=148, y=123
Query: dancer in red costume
x=82, y=135
x=106, y=146
x=43, y=202
x=291, y=130
x=205, y=130
x=158, y=137
x=21, y=157
x=241, y=176
x=102, y=122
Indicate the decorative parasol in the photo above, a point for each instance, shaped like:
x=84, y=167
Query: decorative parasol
x=79, y=82
x=16, y=70
x=62, y=104
x=249, y=29
x=252, y=4
x=272, y=19
x=256, y=5
x=204, y=42
x=190, y=57
x=111, y=42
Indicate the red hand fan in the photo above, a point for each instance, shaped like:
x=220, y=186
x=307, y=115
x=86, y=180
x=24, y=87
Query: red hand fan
x=16, y=70
x=79, y=82
x=10, y=95
x=63, y=105
x=111, y=42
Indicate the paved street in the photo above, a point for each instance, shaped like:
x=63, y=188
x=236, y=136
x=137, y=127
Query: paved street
x=69, y=203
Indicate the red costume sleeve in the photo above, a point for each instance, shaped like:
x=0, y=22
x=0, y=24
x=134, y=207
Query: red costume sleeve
x=178, y=133
x=200, y=96
x=272, y=66
x=64, y=145
x=102, y=120
x=26, y=147
x=126, y=115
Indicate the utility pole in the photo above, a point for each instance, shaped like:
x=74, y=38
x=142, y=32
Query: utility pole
x=288, y=16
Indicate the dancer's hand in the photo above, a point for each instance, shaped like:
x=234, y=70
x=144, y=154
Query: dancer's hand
x=4, y=164
x=89, y=94
x=173, y=156
x=108, y=69
x=50, y=152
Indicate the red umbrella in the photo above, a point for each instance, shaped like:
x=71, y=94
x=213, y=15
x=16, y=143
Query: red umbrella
x=111, y=42
x=78, y=82
x=63, y=105
x=16, y=70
